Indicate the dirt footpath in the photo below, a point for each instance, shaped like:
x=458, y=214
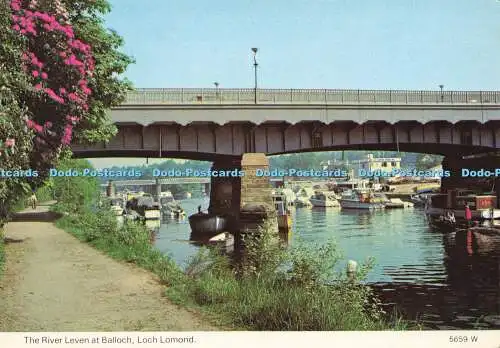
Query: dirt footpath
x=53, y=282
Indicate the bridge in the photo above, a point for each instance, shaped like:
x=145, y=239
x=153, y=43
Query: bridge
x=212, y=124
x=169, y=181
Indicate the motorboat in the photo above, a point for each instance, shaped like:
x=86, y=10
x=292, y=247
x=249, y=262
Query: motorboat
x=145, y=206
x=207, y=223
x=397, y=203
x=225, y=239
x=324, y=199
x=287, y=193
x=170, y=207
x=302, y=197
x=361, y=199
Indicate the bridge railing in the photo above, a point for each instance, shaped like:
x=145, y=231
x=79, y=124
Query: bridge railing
x=196, y=96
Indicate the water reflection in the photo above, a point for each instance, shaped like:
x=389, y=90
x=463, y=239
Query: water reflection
x=427, y=274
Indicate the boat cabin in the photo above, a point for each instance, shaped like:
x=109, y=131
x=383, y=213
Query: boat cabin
x=280, y=204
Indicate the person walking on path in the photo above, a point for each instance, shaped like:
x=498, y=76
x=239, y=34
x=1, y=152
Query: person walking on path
x=33, y=200
x=468, y=215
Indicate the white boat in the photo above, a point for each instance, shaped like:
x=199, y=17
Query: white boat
x=224, y=238
x=170, y=207
x=288, y=193
x=152, y=214
x=395, y=203
x=302, y=202
x=302, y=197
x=323, y=199
x=361, y=199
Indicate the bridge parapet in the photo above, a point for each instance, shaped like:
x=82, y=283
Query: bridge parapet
x=194, y=96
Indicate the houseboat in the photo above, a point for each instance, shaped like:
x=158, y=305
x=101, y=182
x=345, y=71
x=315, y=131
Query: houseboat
x=324, y=199
x=482, y=206
x=361, y=199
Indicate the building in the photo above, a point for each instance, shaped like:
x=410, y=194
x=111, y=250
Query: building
x=368, y=164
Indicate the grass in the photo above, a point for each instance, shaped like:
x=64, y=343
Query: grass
x=272, y=289
x=2, y=252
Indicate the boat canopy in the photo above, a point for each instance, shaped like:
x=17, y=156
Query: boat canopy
x=305, y=192
x=145, y=201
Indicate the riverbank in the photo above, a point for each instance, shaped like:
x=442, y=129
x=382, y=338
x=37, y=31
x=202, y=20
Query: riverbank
x=260, y=296
x=54, y=282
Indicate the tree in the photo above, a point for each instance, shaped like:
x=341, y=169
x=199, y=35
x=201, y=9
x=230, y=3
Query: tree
x=60, y=67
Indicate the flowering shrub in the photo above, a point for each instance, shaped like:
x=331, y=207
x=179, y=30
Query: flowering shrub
x=51, y=89
x=59, y=64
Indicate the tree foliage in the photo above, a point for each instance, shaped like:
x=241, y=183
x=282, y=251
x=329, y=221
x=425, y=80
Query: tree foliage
x=59, y=74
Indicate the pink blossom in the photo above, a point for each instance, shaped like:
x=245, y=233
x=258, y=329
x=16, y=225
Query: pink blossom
x=15, y=5
x=10, y=142
x=35, y=73
x=37, y=128
x=16, y=27
x=38, y=86
x=68, y=131
x=62, y=90
x=44, y=76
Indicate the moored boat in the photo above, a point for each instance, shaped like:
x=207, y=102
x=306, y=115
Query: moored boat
x=207, y=223
x=324, y=199
x=361, y=199
x=482, y=207
x=397, y=203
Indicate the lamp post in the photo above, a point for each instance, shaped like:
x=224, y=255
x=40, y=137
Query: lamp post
x=442, y=95
x=217, y=96
x=254, y=50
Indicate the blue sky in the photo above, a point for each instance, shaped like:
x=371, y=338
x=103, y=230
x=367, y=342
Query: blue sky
x=366, y=44
x=363, y=44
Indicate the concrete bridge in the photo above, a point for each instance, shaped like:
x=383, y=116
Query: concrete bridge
x=209, y=124
x=227, y=127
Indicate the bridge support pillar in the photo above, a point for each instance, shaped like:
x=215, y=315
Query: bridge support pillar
x=256, y=201
x=232, y=195
x=225, y=190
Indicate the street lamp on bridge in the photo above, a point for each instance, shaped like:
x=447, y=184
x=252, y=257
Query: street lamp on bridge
x=254, y=50
x=217, y=96
x=442, y=95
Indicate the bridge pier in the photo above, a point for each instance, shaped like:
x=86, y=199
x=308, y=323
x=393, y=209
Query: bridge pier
x=233, y=195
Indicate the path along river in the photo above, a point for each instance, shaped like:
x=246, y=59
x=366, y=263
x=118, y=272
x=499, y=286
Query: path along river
x=417, y=270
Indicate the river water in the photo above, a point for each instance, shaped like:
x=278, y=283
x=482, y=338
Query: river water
x=420, y=272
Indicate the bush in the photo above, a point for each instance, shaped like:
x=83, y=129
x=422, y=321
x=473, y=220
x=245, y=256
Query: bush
x=285, y=290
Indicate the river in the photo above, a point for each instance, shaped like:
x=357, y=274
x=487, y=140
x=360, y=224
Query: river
x=418, y=271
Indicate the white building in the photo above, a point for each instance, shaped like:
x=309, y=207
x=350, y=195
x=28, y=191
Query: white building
x=367, y=164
